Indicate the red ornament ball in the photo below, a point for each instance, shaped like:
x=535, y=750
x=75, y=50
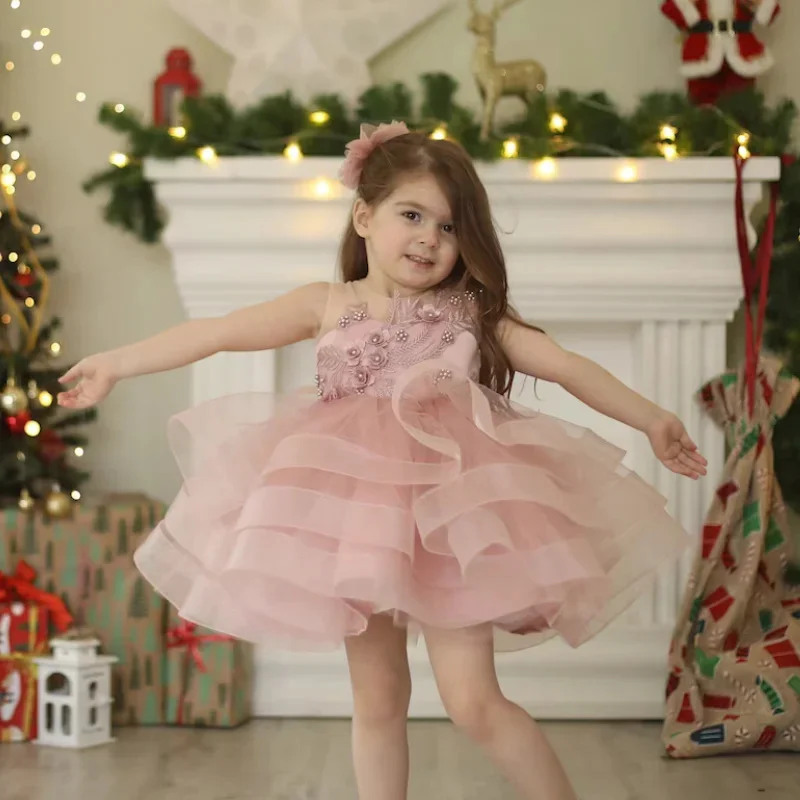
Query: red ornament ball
x=51, y=446
x=17, y=422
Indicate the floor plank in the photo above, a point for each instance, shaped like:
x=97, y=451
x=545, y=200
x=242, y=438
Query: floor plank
x=310, y=760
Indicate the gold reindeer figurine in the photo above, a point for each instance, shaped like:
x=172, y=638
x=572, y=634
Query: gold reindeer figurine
x=525, y=78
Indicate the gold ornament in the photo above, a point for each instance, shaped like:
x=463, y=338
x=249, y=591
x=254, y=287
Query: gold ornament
x=26, y=503
x=58, y=504
x=13, y=399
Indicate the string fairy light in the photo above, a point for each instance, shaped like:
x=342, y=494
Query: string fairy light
x=557, y=123
x=319, y=117
x=510, y=148
x=743, y=139
x=293, y=152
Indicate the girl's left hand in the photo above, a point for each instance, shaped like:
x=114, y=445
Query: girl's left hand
x=674, y=448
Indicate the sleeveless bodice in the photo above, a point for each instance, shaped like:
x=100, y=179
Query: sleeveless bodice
x=368, y=342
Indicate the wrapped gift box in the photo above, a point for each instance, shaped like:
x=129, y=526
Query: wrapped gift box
x=87, y=561
x=17, y=698
x=209, y=677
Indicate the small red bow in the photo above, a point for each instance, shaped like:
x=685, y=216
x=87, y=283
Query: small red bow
x=185, y=635
x=19, y=587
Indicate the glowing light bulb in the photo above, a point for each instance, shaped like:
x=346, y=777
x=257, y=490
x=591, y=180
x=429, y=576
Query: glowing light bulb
x=669, y=151
x=26, y=34
x=45, y=399
x=743, y=138
x=55, y=348
x=13, y=257
x=80, y=97
x=15, y=4
x=743, y=151
x=55, y=59
x=322, y=187
x=293, y=152
x=627, y=173
x=119, y=108
x=668, y=133
x=178, y=132
x=16, y=116
x=31, y=175
x=36, y=229
x=75, y=494
x=6, y=139
x=45, y=31
x=14, y=155
x=558, y=123
x=208, y=155
x=439, y=133
x=33, y=428
x=119, y=160
x=319, y=117
x=545, y=168
x=79, y=451
x=510, y=148
x=9, y=65
x=38, y=45
x=30, y=302
x=7, y=180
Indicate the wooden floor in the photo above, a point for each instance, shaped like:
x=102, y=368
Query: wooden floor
x=310, y=760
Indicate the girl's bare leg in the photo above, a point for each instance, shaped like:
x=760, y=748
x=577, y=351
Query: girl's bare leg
x=378, y=662
x=463, y=664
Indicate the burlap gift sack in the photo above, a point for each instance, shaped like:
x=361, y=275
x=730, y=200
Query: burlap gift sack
x=734, y=679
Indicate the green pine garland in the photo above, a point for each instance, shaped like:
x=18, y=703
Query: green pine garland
x=595, y=127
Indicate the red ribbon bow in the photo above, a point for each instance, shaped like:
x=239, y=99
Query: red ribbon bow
x=185, y=635
x=19, y=587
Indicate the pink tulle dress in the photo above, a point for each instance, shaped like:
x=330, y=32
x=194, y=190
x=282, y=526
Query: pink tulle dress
x=399, y=485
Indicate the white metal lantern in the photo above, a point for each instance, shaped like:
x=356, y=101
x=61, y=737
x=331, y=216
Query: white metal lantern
x=74, y=702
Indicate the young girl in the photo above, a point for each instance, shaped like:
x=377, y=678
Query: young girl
x=406, y=493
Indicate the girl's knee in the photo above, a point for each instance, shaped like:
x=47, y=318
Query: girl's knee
x=379, y=673
x=383, y=699
x=475, y=714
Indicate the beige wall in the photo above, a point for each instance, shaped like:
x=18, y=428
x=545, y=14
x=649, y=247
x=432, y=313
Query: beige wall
x=113, y=289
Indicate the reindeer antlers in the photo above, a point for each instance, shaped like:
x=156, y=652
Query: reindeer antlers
x=497, y=9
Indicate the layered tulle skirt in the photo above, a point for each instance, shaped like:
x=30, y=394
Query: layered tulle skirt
x=443, y=506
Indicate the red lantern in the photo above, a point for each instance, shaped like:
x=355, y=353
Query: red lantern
x=171, y=88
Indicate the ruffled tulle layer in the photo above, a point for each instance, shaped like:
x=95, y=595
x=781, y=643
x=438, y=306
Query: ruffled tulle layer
x=443, y=506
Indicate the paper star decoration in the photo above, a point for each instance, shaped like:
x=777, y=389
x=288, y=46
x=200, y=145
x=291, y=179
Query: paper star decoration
x=306, y=46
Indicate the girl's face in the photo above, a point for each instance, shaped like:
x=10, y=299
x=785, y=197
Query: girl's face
x=410, y=238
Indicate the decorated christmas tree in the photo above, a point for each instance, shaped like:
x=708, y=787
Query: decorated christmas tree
x=38, y=441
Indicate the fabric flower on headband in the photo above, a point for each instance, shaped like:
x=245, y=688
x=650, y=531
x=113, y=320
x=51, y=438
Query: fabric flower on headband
x=357, y=151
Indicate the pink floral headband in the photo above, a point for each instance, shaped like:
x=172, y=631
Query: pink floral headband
x=357, y=151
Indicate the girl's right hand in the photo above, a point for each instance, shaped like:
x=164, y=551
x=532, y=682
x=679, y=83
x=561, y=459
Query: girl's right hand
x=96, y=378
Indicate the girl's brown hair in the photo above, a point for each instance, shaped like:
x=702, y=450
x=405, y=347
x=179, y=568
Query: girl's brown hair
x=481, y=264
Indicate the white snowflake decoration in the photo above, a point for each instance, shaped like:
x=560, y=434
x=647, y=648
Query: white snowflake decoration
x=790, y=734
x=306, y=46
x=741, y=736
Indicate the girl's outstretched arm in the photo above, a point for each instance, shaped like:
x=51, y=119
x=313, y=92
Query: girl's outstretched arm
x=536, y=354
x=290, y=318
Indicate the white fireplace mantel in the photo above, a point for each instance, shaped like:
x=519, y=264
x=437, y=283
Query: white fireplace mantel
x=633, y=263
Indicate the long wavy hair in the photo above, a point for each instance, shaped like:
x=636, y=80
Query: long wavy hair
x=480, y=266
